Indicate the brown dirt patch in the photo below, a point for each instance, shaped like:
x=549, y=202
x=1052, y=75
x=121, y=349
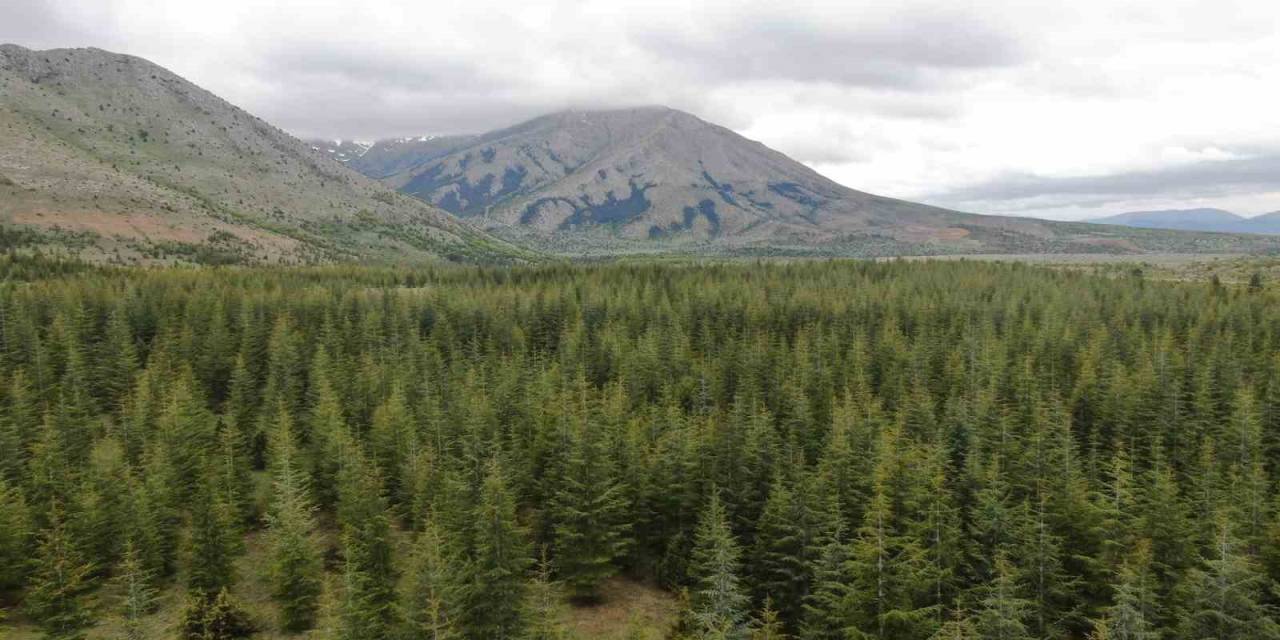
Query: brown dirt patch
x=626, y=605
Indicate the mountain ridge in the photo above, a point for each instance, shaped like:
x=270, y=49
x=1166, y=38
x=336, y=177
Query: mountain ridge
x=1200, y=219
x=115, y=158
x=655, y=178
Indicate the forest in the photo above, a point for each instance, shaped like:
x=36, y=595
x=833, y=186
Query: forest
x=815, y=450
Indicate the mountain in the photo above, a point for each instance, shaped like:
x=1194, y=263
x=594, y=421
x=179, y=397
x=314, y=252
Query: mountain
x=389, y=157
x=657, y=179
x=343, y=151
x=114, y=158
x=1265, y=223
x=1215, y=220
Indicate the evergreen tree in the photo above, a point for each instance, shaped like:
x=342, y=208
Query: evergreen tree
x=369, y=576
x=767, y=626
x=211, y=544
x=15, y=537
x=589, y=511
x=1225, y=598
x=1132, y=617
x=718, y=602
x=827, y=612
x=60, y=581
x=428, y=604
x=214, y=617
x=1003, y=613
x=295, y=558
x=545, y=608
x=138, y=594
x=494, y=586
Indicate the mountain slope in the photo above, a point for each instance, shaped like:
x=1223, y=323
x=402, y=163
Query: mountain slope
x=112, y=157
x=1216, y=220
x=659, y=179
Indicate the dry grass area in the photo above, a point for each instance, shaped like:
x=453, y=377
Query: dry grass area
x=629, y=610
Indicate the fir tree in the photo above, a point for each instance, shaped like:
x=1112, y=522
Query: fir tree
x=138, y=595
x=369, y=604
x=15, y=537
x=718, y=602
x=60, y=581
x=545, y=608
x=1225, y=598
x=1132, y=617
x=211, y=544
x=494, y=588
x=767, y=626
x=589, y=511
x=1004, y=612
x=295, y=558
x=429, y=602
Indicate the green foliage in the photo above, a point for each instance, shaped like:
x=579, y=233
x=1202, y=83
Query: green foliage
x=211, y=543
x=138, y=593
x=15, y=537
x=60, y=583
x=494, y=584
x=429, y=603
x=590, y=514
x=296, y=569
x=718, y=602
x=369, y=575
x=214, y=617
x=897, y=450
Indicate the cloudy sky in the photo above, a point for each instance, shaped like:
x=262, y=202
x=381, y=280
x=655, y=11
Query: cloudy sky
x=1065, y=110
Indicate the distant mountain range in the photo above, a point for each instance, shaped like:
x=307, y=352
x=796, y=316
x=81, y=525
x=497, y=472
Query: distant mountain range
x=1216, y=220
x=113, y=158
x=658, y=179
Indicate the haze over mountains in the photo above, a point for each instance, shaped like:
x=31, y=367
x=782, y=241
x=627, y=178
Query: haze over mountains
x=1217, y=220
x=111, y=157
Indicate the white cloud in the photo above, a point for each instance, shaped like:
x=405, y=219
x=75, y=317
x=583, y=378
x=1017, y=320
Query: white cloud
x=918, y=99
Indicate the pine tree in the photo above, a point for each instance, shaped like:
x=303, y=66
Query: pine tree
x=780, y=568
x=369, y=604
x=296, y=568
x=589, y=512
x=214, y=617
x=1132, y=617
x=211, y=544
x=494, y=588
x=827, y=611
x=389, y=441
x=15, y=537
x=1225, y=598
x=118, y=360
x=138, y=593
x=767, y=626
x=545, y=606
x=718, y=601
x=429, y=602
x=59, y=583
x=1003, y=613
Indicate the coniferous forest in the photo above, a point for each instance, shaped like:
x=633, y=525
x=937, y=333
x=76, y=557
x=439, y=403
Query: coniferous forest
x=810, y=450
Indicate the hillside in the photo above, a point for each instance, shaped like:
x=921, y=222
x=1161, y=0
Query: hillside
x=1216, y=220
x=111, y=157
x=657, y=179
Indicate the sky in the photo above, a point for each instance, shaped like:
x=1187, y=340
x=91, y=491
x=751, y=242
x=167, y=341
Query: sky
x=1019, y=107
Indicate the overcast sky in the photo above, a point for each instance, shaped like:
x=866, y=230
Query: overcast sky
x=1065, y=110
